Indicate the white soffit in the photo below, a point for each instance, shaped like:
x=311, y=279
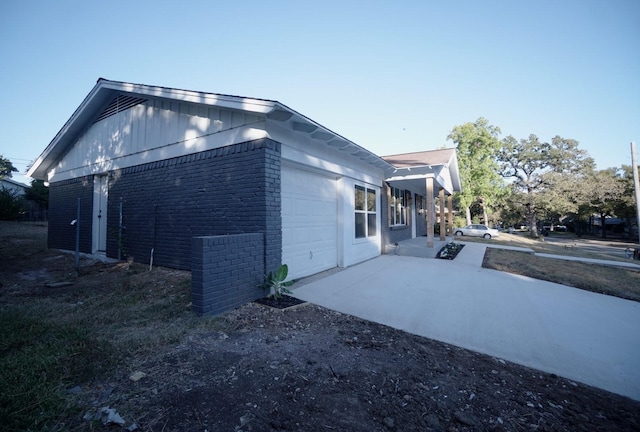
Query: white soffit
x=304, y=125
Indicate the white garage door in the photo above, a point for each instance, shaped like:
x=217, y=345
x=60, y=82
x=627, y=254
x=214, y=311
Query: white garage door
x=309, y=222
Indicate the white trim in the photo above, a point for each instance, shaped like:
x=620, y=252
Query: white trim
x=99, y=214
x=182, y=148
x=302, y=149
x=414, y=215
x=261, y=106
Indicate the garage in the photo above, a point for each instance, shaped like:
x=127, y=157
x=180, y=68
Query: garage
x=309, y=221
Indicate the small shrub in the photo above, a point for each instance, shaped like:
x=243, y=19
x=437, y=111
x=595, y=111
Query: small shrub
x=450, y=250
x=12, y=205
x=276, y=284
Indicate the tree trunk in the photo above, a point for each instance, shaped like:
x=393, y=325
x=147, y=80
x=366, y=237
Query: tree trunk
x=468, y=214
x=484, y=215
x=533, y=224
x=603, y=221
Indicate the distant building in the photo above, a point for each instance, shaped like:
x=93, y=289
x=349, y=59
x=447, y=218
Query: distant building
x=13, y=186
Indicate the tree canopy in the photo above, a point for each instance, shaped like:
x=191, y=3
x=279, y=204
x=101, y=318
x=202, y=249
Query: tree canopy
x=477, y=145
x=6, y=168
x=536, y=167
x=38, y=192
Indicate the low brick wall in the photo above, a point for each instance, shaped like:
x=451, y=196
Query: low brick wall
x=226, y=272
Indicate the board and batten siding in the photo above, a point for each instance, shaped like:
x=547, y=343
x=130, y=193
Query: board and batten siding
x=155, y=130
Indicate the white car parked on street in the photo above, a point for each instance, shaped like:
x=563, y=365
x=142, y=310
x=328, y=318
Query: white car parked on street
x=477, y=230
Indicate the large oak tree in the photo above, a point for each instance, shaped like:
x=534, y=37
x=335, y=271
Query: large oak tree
x=536, y=167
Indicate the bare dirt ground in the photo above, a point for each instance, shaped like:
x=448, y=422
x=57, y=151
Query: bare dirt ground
x=261, y=369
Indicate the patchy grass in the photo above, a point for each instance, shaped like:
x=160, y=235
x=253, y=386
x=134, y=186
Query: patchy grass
x=615, y=281
x=54, y=339
x=37, y=358
x=112, y=321
x=563, y=244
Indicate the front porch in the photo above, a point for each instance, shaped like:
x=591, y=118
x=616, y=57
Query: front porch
x=419, y=196
x=417, y=247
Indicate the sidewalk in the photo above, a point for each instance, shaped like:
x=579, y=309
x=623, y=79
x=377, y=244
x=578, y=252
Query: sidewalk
x=583, y=336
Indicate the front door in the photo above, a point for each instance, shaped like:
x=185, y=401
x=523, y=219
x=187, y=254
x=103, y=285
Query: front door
x=100, y=196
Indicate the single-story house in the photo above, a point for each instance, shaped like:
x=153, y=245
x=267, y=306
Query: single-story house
x=12, y=186
x=152, y=168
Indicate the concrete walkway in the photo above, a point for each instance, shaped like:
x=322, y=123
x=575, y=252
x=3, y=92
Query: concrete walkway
x=583, y=336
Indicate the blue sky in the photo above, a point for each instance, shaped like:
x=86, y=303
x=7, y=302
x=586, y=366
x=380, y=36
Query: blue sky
x=392, y=76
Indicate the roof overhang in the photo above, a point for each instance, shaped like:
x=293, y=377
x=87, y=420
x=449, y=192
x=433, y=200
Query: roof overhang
x=301, y=124
x=413, y=172
x=105, y=90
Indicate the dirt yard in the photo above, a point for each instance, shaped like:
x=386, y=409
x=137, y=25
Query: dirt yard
x=260, y=369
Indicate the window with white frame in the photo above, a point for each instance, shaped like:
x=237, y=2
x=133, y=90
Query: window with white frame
x=397, y=207
x=365, y=212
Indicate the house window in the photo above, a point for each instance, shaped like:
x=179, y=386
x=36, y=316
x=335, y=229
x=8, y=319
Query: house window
x=365, y=212
x=397, y=207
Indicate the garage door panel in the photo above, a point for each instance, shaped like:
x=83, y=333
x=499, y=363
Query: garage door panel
x=309, y=222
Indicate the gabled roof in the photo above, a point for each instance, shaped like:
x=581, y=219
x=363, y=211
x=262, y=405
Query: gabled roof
x=14, y=183
x=99, y=101
x=410, y=169
x=424, y=158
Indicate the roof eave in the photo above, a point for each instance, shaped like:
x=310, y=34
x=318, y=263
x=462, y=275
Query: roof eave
x=304, y=125
x=105, y=89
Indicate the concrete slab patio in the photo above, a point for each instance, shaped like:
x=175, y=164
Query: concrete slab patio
x=583, y=336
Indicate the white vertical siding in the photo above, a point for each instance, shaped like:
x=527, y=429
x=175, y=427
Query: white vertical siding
x=149, y=127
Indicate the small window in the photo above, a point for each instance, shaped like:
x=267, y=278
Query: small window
x=365, y=212
x=397, y=207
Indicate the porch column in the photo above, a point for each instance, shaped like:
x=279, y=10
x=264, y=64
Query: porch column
x=443, y=220
x=431, y=210
x=450, y=214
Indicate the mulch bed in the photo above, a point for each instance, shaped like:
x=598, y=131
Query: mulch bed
x=449, y=251
x=283, y=302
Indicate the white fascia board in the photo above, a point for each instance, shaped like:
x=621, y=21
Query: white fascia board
x=444, y=180
x=57, y=145
x=258, y=106
x=304, y=150
x=37, y=170
x=409, y=177
x=305, y=126
x=305, y=159
x=439, y=173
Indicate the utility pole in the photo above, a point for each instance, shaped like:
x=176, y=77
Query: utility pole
x=636, y=185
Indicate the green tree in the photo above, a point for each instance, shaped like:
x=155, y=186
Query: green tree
x=625, y=208
x=11, y=205
x=477, y=145
x=38, y=192
x=603, y=191
x=6, y=168
x=560, y=196
x=536, y=167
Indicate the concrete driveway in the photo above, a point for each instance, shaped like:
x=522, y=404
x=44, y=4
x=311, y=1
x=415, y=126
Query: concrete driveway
x=583, y=336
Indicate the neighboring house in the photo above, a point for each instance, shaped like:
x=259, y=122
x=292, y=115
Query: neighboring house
x=13, y=186
x=154, y=167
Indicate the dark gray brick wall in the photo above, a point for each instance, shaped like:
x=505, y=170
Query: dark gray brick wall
x=229, y=190
x=227, y=272
x=63, y=198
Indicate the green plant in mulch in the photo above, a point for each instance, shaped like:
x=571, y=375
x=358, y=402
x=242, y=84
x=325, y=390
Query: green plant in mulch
x=450, y=251
x=276, y=284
